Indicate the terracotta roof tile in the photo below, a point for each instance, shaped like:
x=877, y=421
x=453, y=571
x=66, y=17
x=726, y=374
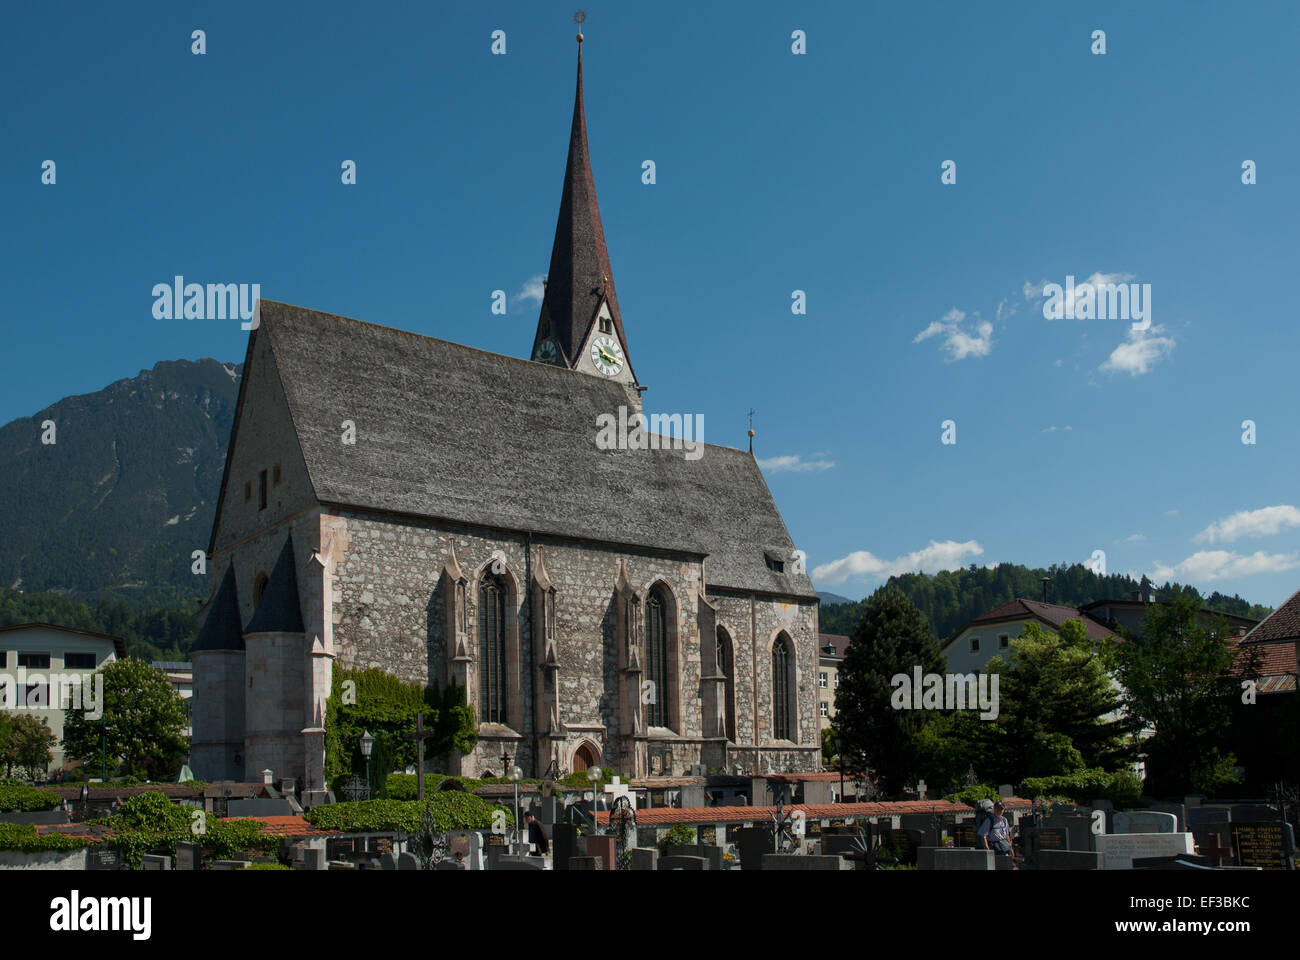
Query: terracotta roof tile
x=1282, y=624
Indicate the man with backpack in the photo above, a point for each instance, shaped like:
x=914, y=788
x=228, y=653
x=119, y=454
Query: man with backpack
x=994, y=833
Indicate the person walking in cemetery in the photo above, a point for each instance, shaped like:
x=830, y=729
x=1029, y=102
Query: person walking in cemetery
x=537, y=836
x=995, y=834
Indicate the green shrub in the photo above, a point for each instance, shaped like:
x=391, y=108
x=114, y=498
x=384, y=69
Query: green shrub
x=21, y=797
x=679, y=834
x=579, y=780
x=1122, y=788
x=973, y=795
x=150, y=823
x=24, y=838
x=266, y=866
x=452, y=810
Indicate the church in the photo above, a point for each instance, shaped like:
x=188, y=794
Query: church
x=446, y=514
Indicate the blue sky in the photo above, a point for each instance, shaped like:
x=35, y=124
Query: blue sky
x=775, y=172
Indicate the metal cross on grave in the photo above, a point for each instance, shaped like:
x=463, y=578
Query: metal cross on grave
x=419, y=737
x=1215, y=850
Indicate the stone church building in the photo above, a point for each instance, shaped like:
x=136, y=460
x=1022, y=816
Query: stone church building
x=396, y=501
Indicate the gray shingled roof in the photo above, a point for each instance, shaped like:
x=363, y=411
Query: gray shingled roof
x=455, y=433
x=279, y=610
x=223, y=629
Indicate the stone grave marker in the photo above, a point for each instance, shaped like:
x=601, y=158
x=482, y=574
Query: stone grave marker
x=1078, y=830
x=449, y=865
x=585, y=863
x=752, y=843
x=602, y=846
x=1202, y=829
x=1252, y=813
x=152, y=861
x=386, y=862
x=784, y=861
x=188, y=856
x=711, y=853
x=407, y=862
x=1177, y=809
x=1144, y=821
x=1184, y=861
x=103, y=857
x=1121, y=849
x=516, y=862
x=1269, y=845
x=957, y=858
x=963, y=834
x=1034, y=840
x=564, y=844
x=643, y=858
x=231, y=864
x=1069, y=860
x=686, y=863
x=313, y=858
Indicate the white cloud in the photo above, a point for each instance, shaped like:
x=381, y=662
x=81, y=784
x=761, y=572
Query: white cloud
x=946, y=555
x=1054, y=428
x=1034, y=290
x=1251, y=523
x=959, y=343
x=1225, y=565
x=533, y=289
x=1132, y=538
x=793, y=463
x=1139, y=353
x=1170, y=513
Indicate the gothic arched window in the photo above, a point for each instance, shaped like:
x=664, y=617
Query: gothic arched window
x=782, y=682
x=656, y=649
x=492, y=650
x=725, y=669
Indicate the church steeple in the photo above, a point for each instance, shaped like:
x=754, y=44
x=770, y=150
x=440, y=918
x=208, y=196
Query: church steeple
x=580, y=318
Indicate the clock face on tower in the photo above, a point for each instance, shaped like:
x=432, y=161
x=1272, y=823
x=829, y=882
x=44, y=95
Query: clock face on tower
x=607, y=355
x=547, y=352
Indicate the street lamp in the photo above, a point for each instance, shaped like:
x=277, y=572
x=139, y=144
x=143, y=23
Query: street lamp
x=593, y=774
x=515, y=775
x=367, y=745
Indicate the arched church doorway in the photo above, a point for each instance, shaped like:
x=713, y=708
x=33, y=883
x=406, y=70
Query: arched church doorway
x=584, y=757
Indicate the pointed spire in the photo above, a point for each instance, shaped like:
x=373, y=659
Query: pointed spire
x=222, y=629
x=279, y=611
x=580, y=278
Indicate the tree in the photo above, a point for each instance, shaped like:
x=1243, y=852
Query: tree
x=25, y=742
x=891, y=638
x=1178, y=677
x=829, y=756
x=140, y=727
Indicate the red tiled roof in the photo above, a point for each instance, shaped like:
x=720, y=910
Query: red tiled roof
x=1274, y=665
x=286, y=826
x=85, y=831
x=72, y=791
x=657, y=816
x=1282, y=624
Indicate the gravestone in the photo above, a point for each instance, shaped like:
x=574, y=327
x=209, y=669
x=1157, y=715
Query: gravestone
x=450, y=865
x=752, y=843
x=1269, y=845
x=710, y=853
x=494, y=852
x=1185, y=861
x=685, y=863
x=1069, y=860
x=643, y=858
x=1252, y=813
x=783, y=861
x=313, y=858
x=386, y=862
x=550, y=811
x=152, y=861
x=103, y=857
x=958, y=858
x=231, y=864
x=516, y=862
x=188, y=856
x=963, y=835
x=1121, y=849
x=1078, y=830
x=914, y=821
x=602, y=846
x=905, y=843
x=585, y=863
x=838, y=844
x=564, y=842
x=1177, y=809
x=407, y=862
x=1203, y=829
x=1144, y=821
x=1034, y=840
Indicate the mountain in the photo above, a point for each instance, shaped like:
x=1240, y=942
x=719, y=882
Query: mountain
x=829, y=599
x=951, y=598
x=125, y=493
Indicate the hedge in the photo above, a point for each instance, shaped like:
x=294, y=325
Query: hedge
x=452, y=810
x=24, y=838
x=1122, y=788
x=21, y=797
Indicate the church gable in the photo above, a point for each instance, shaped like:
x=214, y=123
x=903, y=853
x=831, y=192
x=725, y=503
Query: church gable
x=265, y=479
